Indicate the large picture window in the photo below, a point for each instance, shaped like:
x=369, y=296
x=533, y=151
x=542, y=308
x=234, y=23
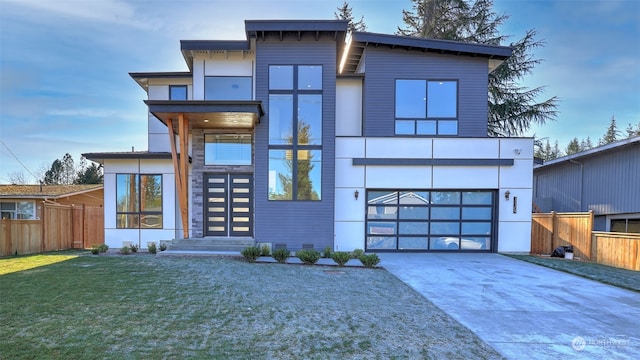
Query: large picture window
x=138, y=201
x=17, y=210
x=426, y=107
x=227, y=88
x=295, y=132
x=429, y=220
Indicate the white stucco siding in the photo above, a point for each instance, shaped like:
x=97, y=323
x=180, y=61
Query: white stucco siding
x=514, y=228
x=348, y=107
x=221, y=64
x=115, y=237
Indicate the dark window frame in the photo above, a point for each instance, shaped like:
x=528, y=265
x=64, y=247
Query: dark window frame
x=250, y=78
x=186, y=91
x=295, y=147
x=139, y=213
x=426, y=117
x=460, y=206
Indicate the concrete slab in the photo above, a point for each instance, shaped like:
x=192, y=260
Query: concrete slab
x=525, y=311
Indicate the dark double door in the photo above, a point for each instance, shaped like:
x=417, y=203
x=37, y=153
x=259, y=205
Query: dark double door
x=228, y=205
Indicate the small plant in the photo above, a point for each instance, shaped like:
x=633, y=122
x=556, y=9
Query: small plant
x=355, y=254
x=370, y=260
x=265, y=250
x=281, y=255
x=327, y=252
x=95, y=249
x=251, y=253
x=341, y=257
x=163, y=247
x=134, y=248
x=103, y=248
x=152, y=248
x=125, y=250
x=308, y=257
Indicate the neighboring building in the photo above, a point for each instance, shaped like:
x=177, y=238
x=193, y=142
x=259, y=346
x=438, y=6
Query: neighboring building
x=24, y=202
x=298, y=138
x=605, y=179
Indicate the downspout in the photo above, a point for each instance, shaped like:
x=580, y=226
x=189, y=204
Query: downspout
x=581, y=179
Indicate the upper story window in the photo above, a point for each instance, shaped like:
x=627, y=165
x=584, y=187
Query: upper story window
x=295, y=132
x=138, y=201
x=227, y=149
x=228, y=88
x=17, y=210
x=177, y=92
x=426, y=107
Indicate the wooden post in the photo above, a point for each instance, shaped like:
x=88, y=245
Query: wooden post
x=181, y=168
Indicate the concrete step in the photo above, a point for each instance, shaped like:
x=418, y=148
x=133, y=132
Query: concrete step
x=211, y=244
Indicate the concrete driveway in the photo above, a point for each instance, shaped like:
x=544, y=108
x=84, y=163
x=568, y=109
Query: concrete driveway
x=526, y=311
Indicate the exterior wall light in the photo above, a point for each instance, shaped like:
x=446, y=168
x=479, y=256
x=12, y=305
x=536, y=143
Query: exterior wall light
x=356, y=194
x=507, y=194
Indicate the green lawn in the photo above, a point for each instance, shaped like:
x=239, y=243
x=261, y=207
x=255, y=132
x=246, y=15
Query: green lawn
x=146, y=307
x=627, y=279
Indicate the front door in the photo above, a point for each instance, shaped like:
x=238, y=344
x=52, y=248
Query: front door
x=228, y=200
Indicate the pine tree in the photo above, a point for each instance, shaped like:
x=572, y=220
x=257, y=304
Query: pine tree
x=512, y=107
x=631, y=132
x=612, y=133
x=573, y=147
x=345, y=13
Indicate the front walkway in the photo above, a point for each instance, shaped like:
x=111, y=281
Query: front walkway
x=525, y=311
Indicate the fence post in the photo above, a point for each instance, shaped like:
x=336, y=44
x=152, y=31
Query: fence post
x=44, y=227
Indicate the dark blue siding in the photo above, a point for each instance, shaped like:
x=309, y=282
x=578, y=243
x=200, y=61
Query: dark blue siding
x=384, y=66
x=296, y=222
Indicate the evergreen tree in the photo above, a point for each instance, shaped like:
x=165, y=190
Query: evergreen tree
x=573, y=147
x=612, y=133
x=512, y=107
x=91, y=174
x=345, y=13
x=53, y=176
x=631, y=132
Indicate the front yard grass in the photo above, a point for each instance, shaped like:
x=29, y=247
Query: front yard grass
x=623, y=278
x=141, y=306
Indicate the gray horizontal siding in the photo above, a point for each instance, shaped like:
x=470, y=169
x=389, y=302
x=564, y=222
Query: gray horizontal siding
x=296, y=222
x=610, y=183
x=384, y=66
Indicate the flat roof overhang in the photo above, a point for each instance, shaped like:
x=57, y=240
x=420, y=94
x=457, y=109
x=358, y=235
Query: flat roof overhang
x=209, y=114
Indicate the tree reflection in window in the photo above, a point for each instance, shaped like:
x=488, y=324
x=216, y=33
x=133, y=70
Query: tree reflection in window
x=138, y=201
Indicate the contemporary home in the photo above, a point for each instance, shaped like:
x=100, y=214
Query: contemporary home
x=304, y=136
x=24, y=202
x=605, y=179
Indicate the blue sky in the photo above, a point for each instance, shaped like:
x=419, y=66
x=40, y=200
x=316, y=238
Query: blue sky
x=64, y=64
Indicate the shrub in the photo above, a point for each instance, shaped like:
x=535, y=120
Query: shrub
x=281, y=255
x=308, y=257
x=327, y=252
x=265, y=250
x=251, y=253
x=370, y=260
x=125, y=250
x=341, y=257
x=163, y=247
x=355, y=254
x=152, y=248
x=103, y=248
x=134, y=248
x=95, y=249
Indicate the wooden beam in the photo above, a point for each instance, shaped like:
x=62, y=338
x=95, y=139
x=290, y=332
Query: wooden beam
x=183, y=136
x=180, y=180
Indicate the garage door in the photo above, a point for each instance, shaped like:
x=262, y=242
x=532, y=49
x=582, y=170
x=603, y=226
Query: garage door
x=427, y=220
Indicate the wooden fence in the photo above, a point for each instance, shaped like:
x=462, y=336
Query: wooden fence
x=551, y=230
x=616, y=249
x=59, y=228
